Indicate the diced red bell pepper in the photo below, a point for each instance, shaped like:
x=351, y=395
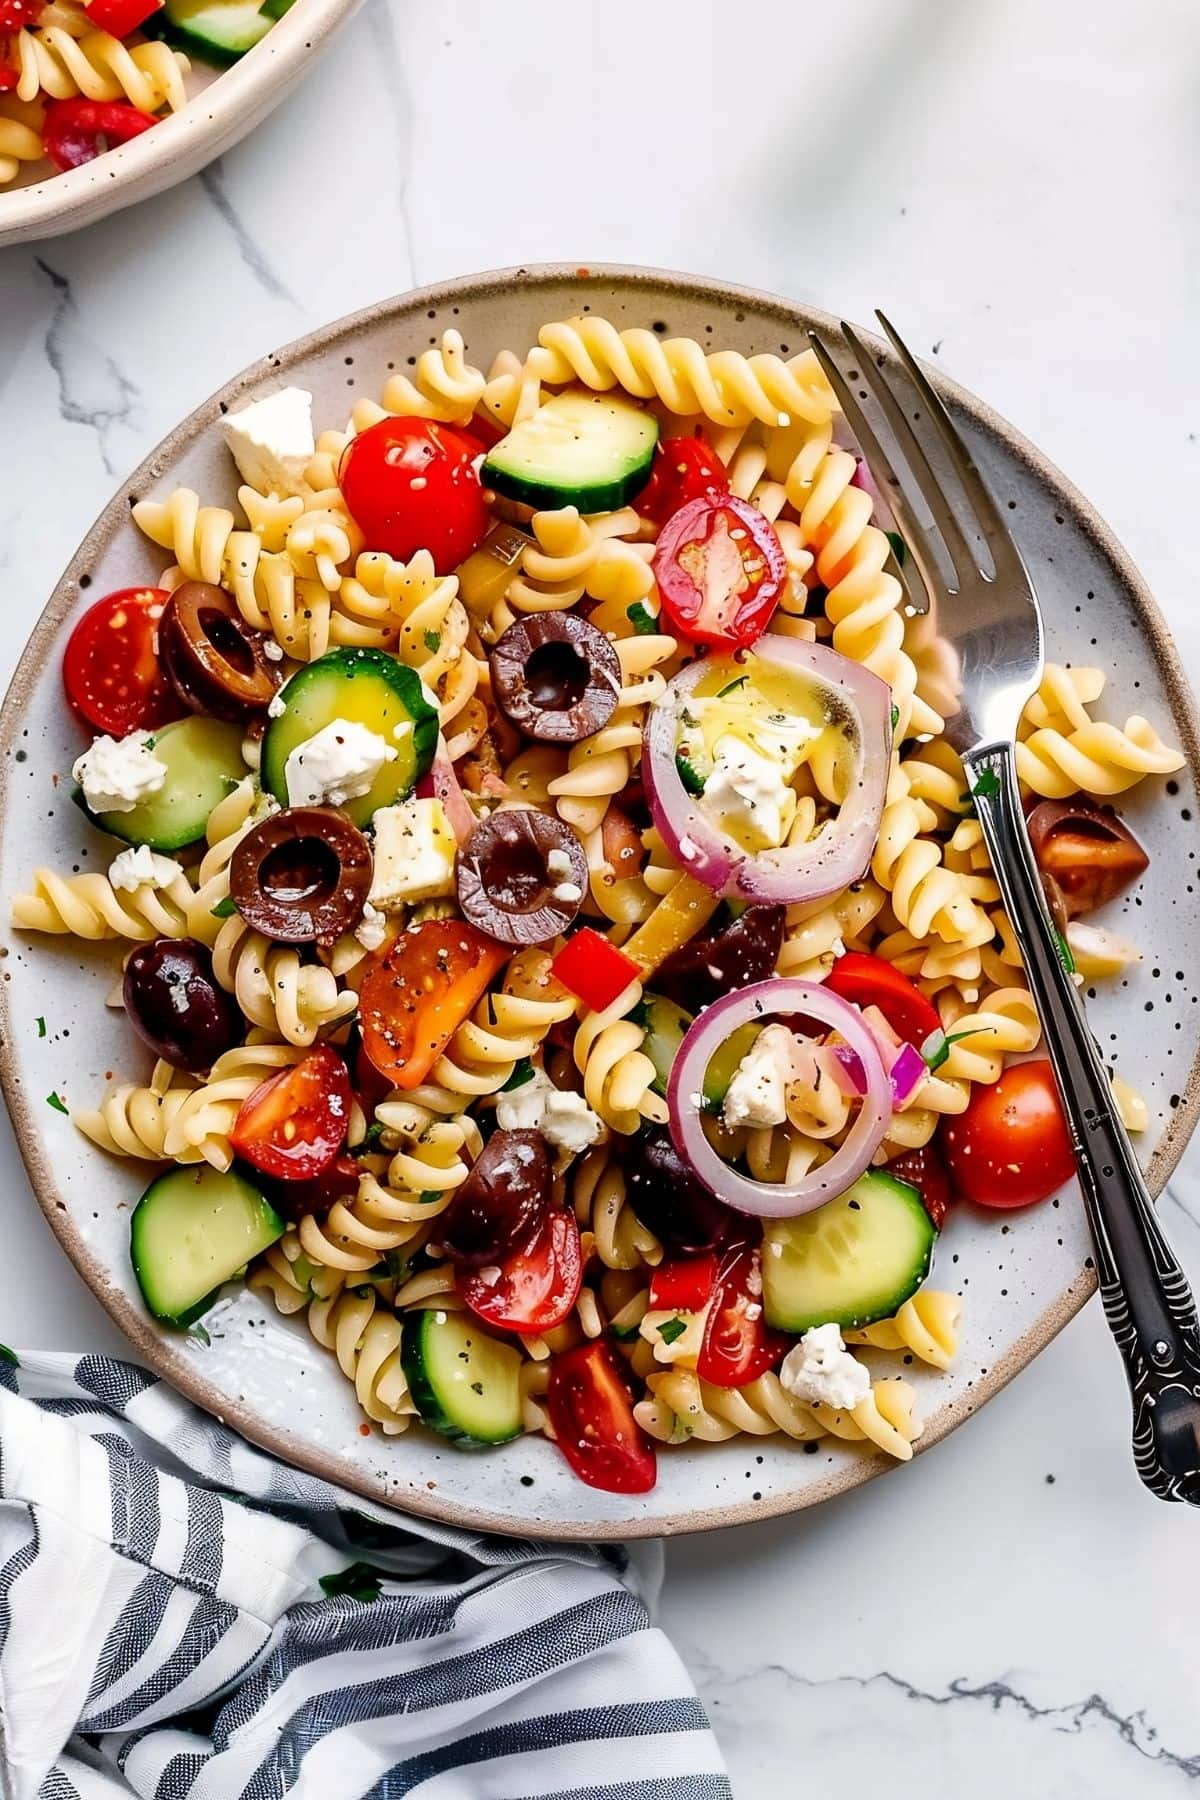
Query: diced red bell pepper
x=685, y=1284
x=120, y=17
x=594, y=969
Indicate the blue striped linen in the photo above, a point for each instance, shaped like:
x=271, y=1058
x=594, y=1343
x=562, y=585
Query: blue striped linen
x=164, y=1630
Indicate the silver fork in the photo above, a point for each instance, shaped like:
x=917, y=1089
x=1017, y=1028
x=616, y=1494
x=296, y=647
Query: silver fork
x=989, y=625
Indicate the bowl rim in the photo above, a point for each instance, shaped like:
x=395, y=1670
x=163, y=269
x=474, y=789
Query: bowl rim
x=154, y=1347
x=61, y=201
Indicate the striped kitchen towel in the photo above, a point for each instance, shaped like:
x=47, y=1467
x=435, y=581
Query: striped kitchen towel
x=183, y=1617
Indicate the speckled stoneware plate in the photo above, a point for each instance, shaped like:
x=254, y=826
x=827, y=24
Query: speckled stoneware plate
x=223, y=105
x=1023, y=1277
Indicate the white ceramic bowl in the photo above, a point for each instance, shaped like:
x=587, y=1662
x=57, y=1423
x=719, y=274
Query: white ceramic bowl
x=224, y=105
x=1023, y=1275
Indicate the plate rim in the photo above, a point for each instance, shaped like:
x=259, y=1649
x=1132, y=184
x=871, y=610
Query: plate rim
x=154, y=1348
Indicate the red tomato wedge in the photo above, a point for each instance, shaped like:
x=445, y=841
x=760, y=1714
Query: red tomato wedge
x=592, y=1416
x=110, y=667
x=1011, y=1147
x=738, y=1347
x=294, y=1123
x=589, y=966
x=925, y=1170
x=720, y=570
x=412, y=484
x=683, y=1285
x=412, y=1003
x=537, y=1286
x=120, y=17
x=74, y=132
x=684, y=469
x=869, y=981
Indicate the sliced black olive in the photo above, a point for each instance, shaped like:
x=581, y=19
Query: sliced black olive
x=668, y=1198
x=302, y=875
x=508, y=881
x=213, y=660
x=744, y=951
x=556, y=677
x=176, y=1006
x=1087, y=855
x=502, y=1203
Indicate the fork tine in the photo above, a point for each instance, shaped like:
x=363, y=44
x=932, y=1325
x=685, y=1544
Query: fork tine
x=965, y=561
x=914, y=533
x=995, y=531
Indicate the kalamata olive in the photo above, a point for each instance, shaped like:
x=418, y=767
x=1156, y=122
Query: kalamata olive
x=213, y=660
x=296, y=1200
x=501, y=1204
x=1087, y=853
x=744, y=951
x=556, y=677
x=302, y=875
x=521, y=876
x=667, y=1197
x=176, y=1006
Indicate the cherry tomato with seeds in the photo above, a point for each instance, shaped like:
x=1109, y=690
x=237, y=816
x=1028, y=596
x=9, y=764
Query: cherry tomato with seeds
x=412, y=484
x=1011, y=1147
x=411, y=1003
x=684, y=469
x=738, y=1346
x=592, y=1417
x=110, y=667
x=537, y=1286
x=869, y=981
x=294, y=1124
x=720, y=570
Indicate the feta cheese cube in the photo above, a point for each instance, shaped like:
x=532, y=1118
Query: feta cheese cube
x=749, y=795
x=117, y=773
x=415, y=849
x=271, y=441
x=337, y=764
x=821, y=1371
x=564, y=1120
x=142, y=867
x=757, y=1095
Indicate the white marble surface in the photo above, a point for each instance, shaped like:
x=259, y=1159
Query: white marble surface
x=1016, y=182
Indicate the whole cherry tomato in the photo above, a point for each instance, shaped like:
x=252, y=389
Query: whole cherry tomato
x=294, y=1123
x=684, y=468
x=110, y=667
x=1011, y=1146
x=594, y=1427
x=536, y=1287
x=720, y=570
x=412, y=484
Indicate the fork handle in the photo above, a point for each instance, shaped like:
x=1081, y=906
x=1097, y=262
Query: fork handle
x=1147, y=1300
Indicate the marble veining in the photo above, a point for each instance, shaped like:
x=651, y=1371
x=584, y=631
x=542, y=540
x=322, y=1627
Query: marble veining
x=92, y=389
x=212, y=181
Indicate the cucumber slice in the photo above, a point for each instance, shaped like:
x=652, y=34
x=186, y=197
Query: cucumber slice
x=203, y=757
x=193, y=1229
x=853, y=1261
x=723, y=1064
x=220, y=30
x=665, y=1025
x=463, y=1382
x=370, y=688
x=584, y=450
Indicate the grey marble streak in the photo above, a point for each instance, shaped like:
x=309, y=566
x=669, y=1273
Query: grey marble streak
x=212, y=181
x=92, y=388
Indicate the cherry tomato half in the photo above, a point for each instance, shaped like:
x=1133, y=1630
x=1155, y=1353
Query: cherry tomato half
x=294, y=1123
x=925, y=1170
x=1087, y=851
x=869, y=981
x=411, y=484
x=110, y=668
x=720, y=570
x=1011, y=1146
x=684, y=469
x=538, y=1285
x=738, y=1347
x=411, y=1003
x=594, y=1427
x=76, y=131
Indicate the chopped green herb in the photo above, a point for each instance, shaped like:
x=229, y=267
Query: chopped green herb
x=731, y=686
x=149, y=742
x=522, y=1072
x=370, y=1139
x=430, y=1197
x=477, y=1388
x=624, y=1334
x=360, y=1581
x=692, y=782
x=895, y=716
x=433, y=642
x=670, y=1329
x=398, y=1265
x=224, y=909
x=988, y=785
x=200, y=1334
x=56, y=1102
x=644, y=623
x=1064, y=953
x=41, y=1025
x=899, y=547
x=9, y=1356
x=936, y=1047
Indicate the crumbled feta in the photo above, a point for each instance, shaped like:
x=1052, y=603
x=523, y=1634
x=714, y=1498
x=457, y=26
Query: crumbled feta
x=272, y=651
x=277, y=707
x=142, y=867
x=757, y=1095
x=567, y=891
x=749, y=793
x=271, y=441
x=338, y=764
x=371, y=929
x=558, y=862
x=821, y=1371
x=415, y=848
x=565, y=1120
x=117, y=773
x=782, y=736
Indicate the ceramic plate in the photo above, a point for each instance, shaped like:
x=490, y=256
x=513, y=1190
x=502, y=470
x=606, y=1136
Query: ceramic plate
x=263, y=1374
x=223, y=106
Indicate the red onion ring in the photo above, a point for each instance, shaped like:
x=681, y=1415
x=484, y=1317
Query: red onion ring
x=781, y=996
x=840, y=854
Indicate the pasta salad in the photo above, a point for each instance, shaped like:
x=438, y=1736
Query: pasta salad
x=574, y=976
x=79, y=77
